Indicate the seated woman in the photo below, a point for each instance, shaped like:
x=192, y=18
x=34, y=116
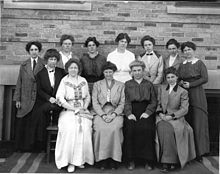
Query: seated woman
x=48, y=80
x=175, y=136
x=108, y=103
x=74, y=138
x=139, y=123
x=153, y=61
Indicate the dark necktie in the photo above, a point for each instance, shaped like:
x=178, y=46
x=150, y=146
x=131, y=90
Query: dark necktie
x=34, y=64
x=149, y=54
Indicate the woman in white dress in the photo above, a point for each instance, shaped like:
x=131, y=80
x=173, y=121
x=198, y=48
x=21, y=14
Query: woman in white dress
x=74, y=139
x=121, y=57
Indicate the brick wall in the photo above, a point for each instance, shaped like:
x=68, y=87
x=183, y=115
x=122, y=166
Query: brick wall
x=105, y=21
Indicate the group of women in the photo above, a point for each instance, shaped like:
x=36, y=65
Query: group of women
x=143, y=109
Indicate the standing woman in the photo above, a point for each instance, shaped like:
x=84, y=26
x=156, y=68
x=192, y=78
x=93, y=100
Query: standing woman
x=173, y=58
x=193, y=74
x=25, y=95
x=175, y=136
x=92, y=62
x=66, y=43
x=153, y=61
x=121, y=57
x=74, y=138
x=108, y=103
x=139, y=123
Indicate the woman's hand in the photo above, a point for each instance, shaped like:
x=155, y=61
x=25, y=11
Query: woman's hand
x=132, y=117
x=107, y=118
x=18, y=104
x=168, y=118
x=186, y=84
x=52, y=100
x=144, y=115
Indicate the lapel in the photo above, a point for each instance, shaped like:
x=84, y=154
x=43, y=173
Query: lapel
x=39, y=66
x=28, y=68
x=167, y=61
x=154, y=60
x=114, y=90
x=165, y=96
x=56, y=78
x=177, y=60
x=47, y=79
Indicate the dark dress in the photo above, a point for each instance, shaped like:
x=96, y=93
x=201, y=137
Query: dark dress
x=43, y=107
x=92, y=67
x=196, y=74
x=139, y=135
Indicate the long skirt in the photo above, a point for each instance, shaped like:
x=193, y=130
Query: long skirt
x=74, y=140
x=22, y=133
x=198, y=120
x=139, y=135
x=167, y=141
x=108, y=138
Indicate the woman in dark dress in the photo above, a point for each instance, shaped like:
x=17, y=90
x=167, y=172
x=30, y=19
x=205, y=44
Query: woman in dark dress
x=92, y=62
x=193, y=74
x=25, y=95
x=48, y=80
x=139, y=123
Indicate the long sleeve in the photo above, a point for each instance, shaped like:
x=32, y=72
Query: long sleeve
x=87, y=98
x=127, y=108
x=17, y=94
x=120, y=107
x=42, y=94
x=184, y=104
x=95, y=103
x=159, y=75
x=153, y=102
x=204, y=76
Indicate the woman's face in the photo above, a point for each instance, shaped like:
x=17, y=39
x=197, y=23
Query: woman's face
x=67, y=45
x=34, y=51
x=92, y=48
x=137, y=72
x=171, y=79
x=122, y=44
x=51, y=62
x=148, y=46
x=172, y=50
x=189, y=52
x=73, y=70
x=108, y=73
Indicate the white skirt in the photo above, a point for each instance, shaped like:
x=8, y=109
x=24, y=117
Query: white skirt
x=74, y=142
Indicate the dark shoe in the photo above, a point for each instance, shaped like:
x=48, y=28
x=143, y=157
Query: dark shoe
x=165, y=168
x=199, y=159
x=113, y=165
x=149, y=166
x=131, y=165
x=103, y=165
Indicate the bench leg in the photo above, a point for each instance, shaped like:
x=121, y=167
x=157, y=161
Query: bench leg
x=48, y=147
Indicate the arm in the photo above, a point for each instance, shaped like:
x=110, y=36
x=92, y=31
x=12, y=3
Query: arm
x=87, y=98
x=204, y=76
x=95, y=103
x=184, y=104
x=120, y=107
x=17, y=94
x=60, y=96
x=159, y=75
x=153, y=102
x=40, y=91
x=127, y=107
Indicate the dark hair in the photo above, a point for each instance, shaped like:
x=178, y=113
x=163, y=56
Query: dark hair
x=66, y=37
x=171, y=70
x=172, y=42
x=36, y=43
x=109, y=65
x=91, y=39
x=73, y=60
x=151, y=39
x=123, y=36
x=188, y=44
x=52, y=53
